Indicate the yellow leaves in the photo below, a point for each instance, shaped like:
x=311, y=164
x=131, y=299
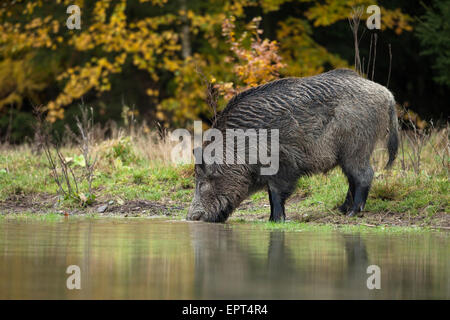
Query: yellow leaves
x=271, y=5
x=395, y=19
x=54, y=112
x=19, y=81
x=83, y=42
x=102, y=62
x=190, y=14
x=70, y=2
x=411, y=117
x=35, y=23
x=171, y=65
x=187, y=101
x=34, y=34
x=29, y=8
x=160, y=116
x=99, y=12
x=120, y=59
x=236, y=8
x=303, y=55
x=155, y=2
x=152, y=93
x=150, y=40
x=331, y=11
x=55, y=26
x=80, y=80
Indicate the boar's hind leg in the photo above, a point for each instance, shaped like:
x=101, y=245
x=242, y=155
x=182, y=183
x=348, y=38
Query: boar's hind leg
x=362, y=179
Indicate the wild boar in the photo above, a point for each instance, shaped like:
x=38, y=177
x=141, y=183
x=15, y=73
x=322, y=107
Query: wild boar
x=334, y=118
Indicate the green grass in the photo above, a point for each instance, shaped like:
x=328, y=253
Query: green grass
x=49, y=217
x=294, y=226
x=395, y=191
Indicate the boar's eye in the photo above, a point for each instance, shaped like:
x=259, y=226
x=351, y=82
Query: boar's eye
x=203, y=186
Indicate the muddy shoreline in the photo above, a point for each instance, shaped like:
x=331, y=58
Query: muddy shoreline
x=248, y=212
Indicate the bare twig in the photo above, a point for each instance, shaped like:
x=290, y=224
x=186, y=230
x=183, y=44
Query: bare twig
x=370, y=55
x=212, y=97
x=374, y=54
x=417, y=139
x=162, y=132
x=85, y=141
x=212, y=94
x=390, y=66
x=354, y=21
x=61, y=171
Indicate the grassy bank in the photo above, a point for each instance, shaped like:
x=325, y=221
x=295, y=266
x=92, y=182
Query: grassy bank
x=134, y=177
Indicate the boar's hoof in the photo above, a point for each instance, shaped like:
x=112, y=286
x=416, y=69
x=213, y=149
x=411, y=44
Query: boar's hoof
x=351, y=214
x=343, y=208
x=354, y=213
x=280, y=219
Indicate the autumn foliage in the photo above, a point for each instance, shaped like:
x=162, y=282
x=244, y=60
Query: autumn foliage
x=257, y=64
x=44, y=63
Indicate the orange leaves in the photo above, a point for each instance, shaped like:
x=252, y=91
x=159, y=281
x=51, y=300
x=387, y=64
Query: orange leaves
x=254, y=64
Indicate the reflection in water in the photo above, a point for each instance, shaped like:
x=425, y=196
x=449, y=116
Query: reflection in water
x=357, y=263
x=234, y=262
x=156, y=259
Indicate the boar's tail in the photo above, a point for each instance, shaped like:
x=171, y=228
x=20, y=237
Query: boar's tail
x=392, y=143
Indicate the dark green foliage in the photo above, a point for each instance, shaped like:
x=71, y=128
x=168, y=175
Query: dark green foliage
x=434, y=34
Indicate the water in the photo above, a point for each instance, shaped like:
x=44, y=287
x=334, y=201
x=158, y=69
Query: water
x=156, y=259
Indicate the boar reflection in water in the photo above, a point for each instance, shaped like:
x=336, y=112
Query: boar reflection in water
x=230, y=265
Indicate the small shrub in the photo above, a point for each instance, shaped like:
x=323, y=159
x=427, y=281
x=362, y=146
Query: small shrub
x=122, y=149
x=138, y=177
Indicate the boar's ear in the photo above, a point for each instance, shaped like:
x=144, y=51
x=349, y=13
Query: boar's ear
x=198, y=155
x=198, y=159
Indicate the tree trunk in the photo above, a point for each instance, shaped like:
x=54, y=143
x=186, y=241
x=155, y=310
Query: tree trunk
x=186, y=50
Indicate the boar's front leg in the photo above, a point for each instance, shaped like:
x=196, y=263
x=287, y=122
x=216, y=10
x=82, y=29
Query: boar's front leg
x=279, y=191
x=348, y=203
x=276, y=206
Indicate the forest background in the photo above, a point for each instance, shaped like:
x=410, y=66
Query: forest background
x=149, y=60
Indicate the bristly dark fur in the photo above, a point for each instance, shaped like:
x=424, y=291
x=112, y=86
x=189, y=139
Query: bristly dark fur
x=334, y=118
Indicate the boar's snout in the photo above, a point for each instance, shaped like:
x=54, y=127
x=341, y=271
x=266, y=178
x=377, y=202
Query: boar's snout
x=196, y=211
x=195, y=215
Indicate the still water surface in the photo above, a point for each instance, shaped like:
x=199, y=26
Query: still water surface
x=157, y=259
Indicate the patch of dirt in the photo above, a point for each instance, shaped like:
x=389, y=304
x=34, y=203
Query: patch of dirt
x=44, y=203
x=36, y=203
x=142, y=207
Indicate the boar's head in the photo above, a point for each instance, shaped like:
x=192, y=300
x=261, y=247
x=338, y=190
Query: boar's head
x=219, y=189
